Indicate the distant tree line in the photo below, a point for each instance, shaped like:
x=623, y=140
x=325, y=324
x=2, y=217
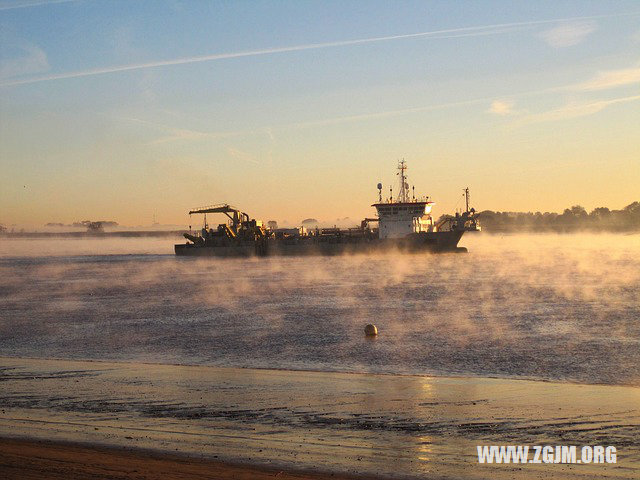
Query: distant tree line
x=572, y=219
x=84, y=223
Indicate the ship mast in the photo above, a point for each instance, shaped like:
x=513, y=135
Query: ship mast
x=466, y=197
x=403, y=196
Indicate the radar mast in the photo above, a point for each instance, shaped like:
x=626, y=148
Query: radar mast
x=403, y=196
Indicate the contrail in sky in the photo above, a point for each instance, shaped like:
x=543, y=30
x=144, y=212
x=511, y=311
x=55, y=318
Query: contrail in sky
x=447, y=33
x=34, y=3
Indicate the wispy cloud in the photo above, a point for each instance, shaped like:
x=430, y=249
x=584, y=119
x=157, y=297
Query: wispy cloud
x=501, y=107
x=379, y=115
x=568, y=34
x=573, y=110
x=445, y=33
x=241, y=155
x=30, y=3
x=30, y=59
x=172, y=134
x=270, y=135
x=611, y=79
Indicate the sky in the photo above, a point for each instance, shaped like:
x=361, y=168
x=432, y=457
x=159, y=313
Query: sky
x=122, y=110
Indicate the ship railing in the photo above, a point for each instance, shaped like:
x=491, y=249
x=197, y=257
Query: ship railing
x=411, y=200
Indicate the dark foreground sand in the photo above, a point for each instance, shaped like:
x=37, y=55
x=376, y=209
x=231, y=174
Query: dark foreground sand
x=24, y=459
x=74, y=419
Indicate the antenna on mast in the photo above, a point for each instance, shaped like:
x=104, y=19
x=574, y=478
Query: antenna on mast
x=403, y=196
x=467, y=197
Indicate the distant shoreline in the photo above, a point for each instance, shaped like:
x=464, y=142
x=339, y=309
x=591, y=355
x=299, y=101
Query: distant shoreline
x=92, y=235
x=574, y=219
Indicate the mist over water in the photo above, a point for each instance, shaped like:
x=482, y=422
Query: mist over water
x=555, y=307
x=83, y=246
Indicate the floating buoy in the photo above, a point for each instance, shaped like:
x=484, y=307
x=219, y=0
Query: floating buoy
x=371, y=329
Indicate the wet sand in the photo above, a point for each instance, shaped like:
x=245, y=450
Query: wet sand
x=385, y=426
x=31, y=460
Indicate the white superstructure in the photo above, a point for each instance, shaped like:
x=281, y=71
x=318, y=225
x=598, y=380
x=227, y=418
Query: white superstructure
x=406, y=214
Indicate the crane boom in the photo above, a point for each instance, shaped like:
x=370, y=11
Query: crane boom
x=220, y=208
x=236, y=218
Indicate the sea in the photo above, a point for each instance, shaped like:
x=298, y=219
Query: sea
x=552, y=307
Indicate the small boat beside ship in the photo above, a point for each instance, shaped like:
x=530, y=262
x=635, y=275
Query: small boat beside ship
x=403, y=223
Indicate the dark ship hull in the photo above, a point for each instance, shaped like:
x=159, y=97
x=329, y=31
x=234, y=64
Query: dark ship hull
x=436, y=242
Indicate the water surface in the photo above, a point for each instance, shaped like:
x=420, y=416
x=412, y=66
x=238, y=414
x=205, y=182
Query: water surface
x=551, y=307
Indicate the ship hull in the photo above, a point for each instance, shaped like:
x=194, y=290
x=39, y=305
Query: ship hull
x=334, y=245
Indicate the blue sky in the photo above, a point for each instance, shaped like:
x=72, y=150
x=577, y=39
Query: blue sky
x=119, y=109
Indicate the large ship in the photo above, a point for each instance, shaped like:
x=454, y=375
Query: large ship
x=403, y=223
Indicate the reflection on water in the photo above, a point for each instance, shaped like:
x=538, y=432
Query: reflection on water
x=424, y=448
x=560, y=307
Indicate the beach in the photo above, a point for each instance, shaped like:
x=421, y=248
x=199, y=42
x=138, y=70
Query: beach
x=38, y=459
x=367, y=425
